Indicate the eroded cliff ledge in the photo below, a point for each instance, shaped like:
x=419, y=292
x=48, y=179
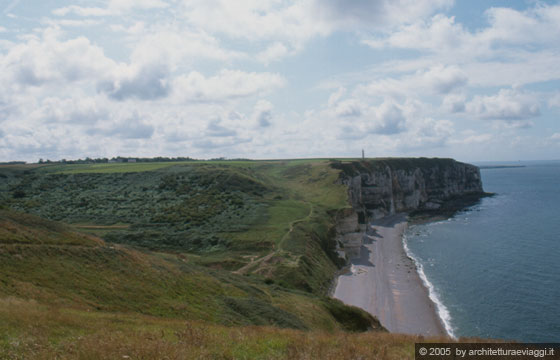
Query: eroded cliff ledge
x=418, y=186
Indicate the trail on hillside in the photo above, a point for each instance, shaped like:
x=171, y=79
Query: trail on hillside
x=243, y=270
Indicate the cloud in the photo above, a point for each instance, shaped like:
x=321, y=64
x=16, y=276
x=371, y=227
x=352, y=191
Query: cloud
x=77, y=110
x=506, y=27
x=176, y=46
x=470, y=137
x=273, y=52
x=427, y=133
x=133, y=126
x=376, y=14
x=81, y=11
x=10, y=6
x=518, y=45
x=444, y=79
x=213, y=144
x=224, y=86
x=554, y=101
x=149, y=82
x=555, y=137
x=389, y=119
x=348, y=108
x=285, y=26
x=507, y=104
x=436, y=80
x=454, y=103
x=262, y=113
x=48, y=60
x=114, y=7
x=216, y=129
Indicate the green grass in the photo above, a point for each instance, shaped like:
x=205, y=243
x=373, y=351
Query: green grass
x=108, y=168
x=61, y=267
x=32, y=330
x=180, y=260
x=272, y=219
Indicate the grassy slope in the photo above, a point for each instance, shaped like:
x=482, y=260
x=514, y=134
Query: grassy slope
x=44, y=332
x=278, y=211
x=250, y=246
x=58, y=266
x=273, y=219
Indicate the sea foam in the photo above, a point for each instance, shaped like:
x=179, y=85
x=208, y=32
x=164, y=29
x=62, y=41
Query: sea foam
x=442, y=311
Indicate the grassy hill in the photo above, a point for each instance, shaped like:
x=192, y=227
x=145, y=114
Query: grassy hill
x=212, y=243
x=271, y=219
x=205, y=260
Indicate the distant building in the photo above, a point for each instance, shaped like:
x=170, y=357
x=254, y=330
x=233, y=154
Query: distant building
x=131, y=160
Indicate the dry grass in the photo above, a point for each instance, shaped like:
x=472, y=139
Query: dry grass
x=29, y=330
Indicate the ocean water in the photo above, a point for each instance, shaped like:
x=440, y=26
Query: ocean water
x=494, y=269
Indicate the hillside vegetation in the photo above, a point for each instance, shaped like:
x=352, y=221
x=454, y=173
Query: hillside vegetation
x=221, y=244
x=205, y=260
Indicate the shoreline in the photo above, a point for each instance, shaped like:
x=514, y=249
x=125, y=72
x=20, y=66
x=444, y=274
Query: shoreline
x=385, y=281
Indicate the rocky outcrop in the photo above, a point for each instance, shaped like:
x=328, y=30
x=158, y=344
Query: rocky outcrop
x=377, y=188
x=380, y=187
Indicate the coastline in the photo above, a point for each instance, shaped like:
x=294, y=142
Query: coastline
x=385, y=282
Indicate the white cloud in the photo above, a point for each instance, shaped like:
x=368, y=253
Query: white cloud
x=148, y=82
x=454, y=103
x=436, y=80
x=226, y=85
x=554, y=101
x=175, y=46
x=273, y=52
x=255, y=19
x=113, y=7
x=288, y=25
x=470, y=137
x=130, y=126
x=442, y=35
x=215, y=128
x=76, y=110
x=515, y=46
x=46, y=59
x=444, y=79
x=81, y=11
x=507, y=104
x=555, y=137
x=426, y=133
x=127, y=5
x=389, y=119
x=377, y=14
x=262, y=113
x=10, y=6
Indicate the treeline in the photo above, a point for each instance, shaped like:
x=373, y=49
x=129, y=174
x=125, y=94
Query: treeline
x=118, y=159
x=121, y=159
x=13, y=163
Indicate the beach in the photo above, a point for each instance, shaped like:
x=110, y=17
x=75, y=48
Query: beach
x=383, y=281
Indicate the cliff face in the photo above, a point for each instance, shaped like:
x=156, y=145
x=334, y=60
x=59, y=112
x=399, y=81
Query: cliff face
x=381, y=187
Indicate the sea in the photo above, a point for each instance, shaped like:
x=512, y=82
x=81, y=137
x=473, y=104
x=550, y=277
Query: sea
x=493, y=270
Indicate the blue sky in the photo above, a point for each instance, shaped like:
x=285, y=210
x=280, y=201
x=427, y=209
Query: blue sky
x=473, y=80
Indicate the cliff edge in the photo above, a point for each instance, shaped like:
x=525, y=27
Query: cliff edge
x=381, y=187
x=421, y=187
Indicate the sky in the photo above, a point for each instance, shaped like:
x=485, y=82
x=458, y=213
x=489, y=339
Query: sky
x=472, y=80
